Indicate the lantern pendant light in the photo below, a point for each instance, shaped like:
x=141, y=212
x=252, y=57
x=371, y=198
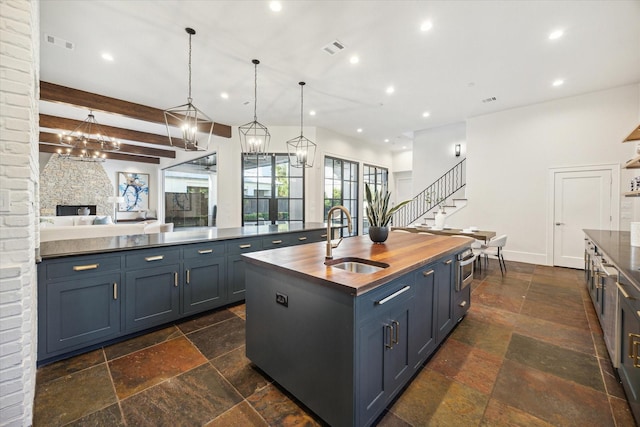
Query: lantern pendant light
x=302, y=151
x=254, y=136
x=189, y=119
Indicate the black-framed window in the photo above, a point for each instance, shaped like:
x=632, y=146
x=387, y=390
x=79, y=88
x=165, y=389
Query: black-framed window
x=341, y=188
x=272, y=190
x=377, y=178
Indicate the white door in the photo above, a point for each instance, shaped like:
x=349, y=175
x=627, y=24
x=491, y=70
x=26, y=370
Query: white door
x=582, y=200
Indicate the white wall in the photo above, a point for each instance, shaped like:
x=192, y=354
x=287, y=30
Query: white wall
x=19, y=71
x=510, y=153
x=433, y=153
x=402, y=161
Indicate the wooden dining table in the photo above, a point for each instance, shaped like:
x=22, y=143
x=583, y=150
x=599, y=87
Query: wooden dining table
x=484, y=235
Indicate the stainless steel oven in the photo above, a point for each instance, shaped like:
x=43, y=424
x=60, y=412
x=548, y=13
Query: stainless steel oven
x=464, y=269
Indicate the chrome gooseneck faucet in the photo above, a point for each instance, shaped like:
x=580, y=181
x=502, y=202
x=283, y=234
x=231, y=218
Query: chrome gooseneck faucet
x=330, y=245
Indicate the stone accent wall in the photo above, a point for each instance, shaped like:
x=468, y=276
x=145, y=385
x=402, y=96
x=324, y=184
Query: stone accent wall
x=19, y=77
x=70, y=182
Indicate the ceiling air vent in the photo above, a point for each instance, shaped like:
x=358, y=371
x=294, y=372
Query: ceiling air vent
x=333, y=47
x=57, y=41
x=490, y=99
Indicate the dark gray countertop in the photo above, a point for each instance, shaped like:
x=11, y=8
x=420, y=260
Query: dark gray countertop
x=617, y=247
x=64, y=248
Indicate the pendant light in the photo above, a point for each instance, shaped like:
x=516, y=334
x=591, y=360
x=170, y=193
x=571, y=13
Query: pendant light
x=87, y=142
x=189, y=118
x=254, y=136
x=302, y=151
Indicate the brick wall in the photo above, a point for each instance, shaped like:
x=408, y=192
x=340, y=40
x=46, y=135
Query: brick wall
x=19, y=76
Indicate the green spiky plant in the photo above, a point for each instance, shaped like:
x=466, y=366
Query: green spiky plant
x=379, y=213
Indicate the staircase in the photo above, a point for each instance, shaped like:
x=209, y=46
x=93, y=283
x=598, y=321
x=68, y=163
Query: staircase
x=442, y=190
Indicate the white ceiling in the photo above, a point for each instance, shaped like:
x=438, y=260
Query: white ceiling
x=475, y=50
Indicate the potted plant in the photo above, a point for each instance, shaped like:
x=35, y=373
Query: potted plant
x=379, y=213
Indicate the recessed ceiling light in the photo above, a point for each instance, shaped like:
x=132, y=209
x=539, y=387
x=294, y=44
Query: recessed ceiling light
x=426, y=114
x=359, y=130
x=426, y=26
x=390, y=90
x=386, y=140
x=224, y=95
x=558, y=82
x=312, y=113
x=275, y=6
x=354, y=59
x=107, y=56
x=554, y=35
x=404, y=147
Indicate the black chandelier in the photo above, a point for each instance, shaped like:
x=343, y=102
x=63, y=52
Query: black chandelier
x=87, y=142
x=302, y=151
x=189, y=119
x=254, y=136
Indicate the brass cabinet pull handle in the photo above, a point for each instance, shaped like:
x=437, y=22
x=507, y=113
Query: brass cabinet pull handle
x=302, y=239
x=154, y=258
x=205, y=251
x=396, y=331
x=623, y=291
x=276, y=242
x=633, y=349
x=115, y=290
x=323, y=235
x=85, y=267
x=427, y=273
x=389, y=343
x=463, y=303
x=393, y=295
x=175, y=279
x=247, y=246
x=188, y=276
x=447, y=262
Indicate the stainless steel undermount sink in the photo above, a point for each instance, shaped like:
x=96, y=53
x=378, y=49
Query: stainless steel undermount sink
x=357, y=265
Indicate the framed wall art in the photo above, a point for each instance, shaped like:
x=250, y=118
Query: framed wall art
x=134, y=187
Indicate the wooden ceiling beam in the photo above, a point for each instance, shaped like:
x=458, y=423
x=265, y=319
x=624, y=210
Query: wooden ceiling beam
x=56, y=93
x=46, y=148
x=62, y=123
x=52, y=138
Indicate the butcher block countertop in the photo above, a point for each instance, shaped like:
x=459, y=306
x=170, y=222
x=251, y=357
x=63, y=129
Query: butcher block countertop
x=403, y=252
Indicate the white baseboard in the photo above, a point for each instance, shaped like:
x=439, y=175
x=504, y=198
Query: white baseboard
x=527, y=257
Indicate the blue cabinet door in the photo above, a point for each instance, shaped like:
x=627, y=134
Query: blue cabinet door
x=204, y=284
x=81, y=312
x=443, y=309
x=152, y=296
x=383, y=346
x=629, y=358
x=423, y=334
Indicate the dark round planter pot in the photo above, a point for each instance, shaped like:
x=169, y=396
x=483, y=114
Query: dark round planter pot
x=378, y=234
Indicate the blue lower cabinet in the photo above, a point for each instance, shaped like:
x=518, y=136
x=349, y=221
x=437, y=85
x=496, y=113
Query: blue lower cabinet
x=235, y=278
x=383, y=363
x=80, y=312
x=204, y=284
x=152, y=296
x=422, y=317
x=444, y=308
x=629, y=336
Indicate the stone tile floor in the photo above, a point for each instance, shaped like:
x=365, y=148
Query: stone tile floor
x=530, y=352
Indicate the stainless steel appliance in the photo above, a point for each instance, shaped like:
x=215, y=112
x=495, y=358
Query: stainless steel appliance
x=464, y=269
